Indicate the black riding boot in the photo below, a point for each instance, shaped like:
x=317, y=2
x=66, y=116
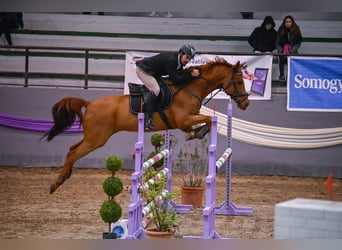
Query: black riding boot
x=149, y=100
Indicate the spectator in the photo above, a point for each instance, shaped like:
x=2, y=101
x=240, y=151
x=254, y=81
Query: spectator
x=288, y=41
x=263, y=38
x=10, y=21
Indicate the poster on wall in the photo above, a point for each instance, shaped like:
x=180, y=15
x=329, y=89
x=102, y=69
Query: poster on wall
x=314, y=84
x=257, y=74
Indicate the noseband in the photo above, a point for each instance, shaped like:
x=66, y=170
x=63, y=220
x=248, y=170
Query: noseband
x=235, y=96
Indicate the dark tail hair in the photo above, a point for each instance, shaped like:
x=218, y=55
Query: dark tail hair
x=64, y=115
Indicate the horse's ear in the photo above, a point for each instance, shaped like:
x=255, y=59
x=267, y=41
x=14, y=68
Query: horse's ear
x=241, y=65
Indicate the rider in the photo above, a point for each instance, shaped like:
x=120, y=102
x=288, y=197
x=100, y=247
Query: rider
x=151, y=69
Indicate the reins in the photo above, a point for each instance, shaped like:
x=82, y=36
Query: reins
x=234, y=96
x=183, y=87
x=212, y=96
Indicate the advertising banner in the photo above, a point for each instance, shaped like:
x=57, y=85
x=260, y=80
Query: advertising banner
x=257, y=74
x=314, y=84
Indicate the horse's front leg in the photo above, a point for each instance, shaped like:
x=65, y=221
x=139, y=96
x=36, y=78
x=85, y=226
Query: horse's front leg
x=189, y=126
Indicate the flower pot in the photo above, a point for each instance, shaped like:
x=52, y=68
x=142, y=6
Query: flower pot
x=192, y=195
x=108, y=235
x=155, y=235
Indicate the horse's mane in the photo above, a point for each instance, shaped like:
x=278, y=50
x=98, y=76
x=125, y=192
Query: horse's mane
x=211, y=64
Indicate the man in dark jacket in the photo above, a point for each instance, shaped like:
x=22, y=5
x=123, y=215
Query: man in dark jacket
x=151, y=69
x=10, y=21
x=263, y=38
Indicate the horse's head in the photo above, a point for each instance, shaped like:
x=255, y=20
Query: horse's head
x=219, y=74
x=234, y=86
x=222, y=75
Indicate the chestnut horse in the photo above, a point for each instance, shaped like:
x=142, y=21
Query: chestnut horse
x=105, y=116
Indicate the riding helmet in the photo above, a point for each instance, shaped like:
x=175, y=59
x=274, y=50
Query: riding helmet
x=188, y=50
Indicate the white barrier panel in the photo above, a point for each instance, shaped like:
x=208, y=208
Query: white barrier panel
x=308, y=219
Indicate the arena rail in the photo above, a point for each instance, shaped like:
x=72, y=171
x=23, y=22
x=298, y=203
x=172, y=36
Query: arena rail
x=27, y=52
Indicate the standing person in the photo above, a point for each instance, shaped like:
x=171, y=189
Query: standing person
x=263, y=38
x=10, y=21
x=289, y=39
x=151, y=69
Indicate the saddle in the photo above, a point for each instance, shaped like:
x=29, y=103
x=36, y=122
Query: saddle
x=164, y=99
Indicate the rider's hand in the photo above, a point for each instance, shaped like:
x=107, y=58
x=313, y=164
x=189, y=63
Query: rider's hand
x=195, y=72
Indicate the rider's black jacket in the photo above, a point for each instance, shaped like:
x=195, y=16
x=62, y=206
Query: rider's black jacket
x=166, y=63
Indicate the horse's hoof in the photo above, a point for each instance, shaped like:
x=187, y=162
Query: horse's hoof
x=202, y=132
x=190, y=136
x=67, y=176
x=52, y=189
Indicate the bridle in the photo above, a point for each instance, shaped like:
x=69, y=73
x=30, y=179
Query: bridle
x=235, y=96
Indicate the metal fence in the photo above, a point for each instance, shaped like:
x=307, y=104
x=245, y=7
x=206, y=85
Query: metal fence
x=28, y=50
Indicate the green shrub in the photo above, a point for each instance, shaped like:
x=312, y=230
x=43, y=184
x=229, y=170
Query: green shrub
x=114, y=163
x=157, y=140
x=112, y=186
x=110, y=211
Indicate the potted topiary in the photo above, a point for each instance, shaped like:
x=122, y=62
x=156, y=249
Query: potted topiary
x=162, y=212
x=111, y=211
x=192, y=162
x=158, y=199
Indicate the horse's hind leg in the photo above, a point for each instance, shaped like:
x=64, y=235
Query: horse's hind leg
x=62, y=177
x=68, y=174
x=76, y=151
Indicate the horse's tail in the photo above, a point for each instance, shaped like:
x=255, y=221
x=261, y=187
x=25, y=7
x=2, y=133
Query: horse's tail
x=64, y=115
